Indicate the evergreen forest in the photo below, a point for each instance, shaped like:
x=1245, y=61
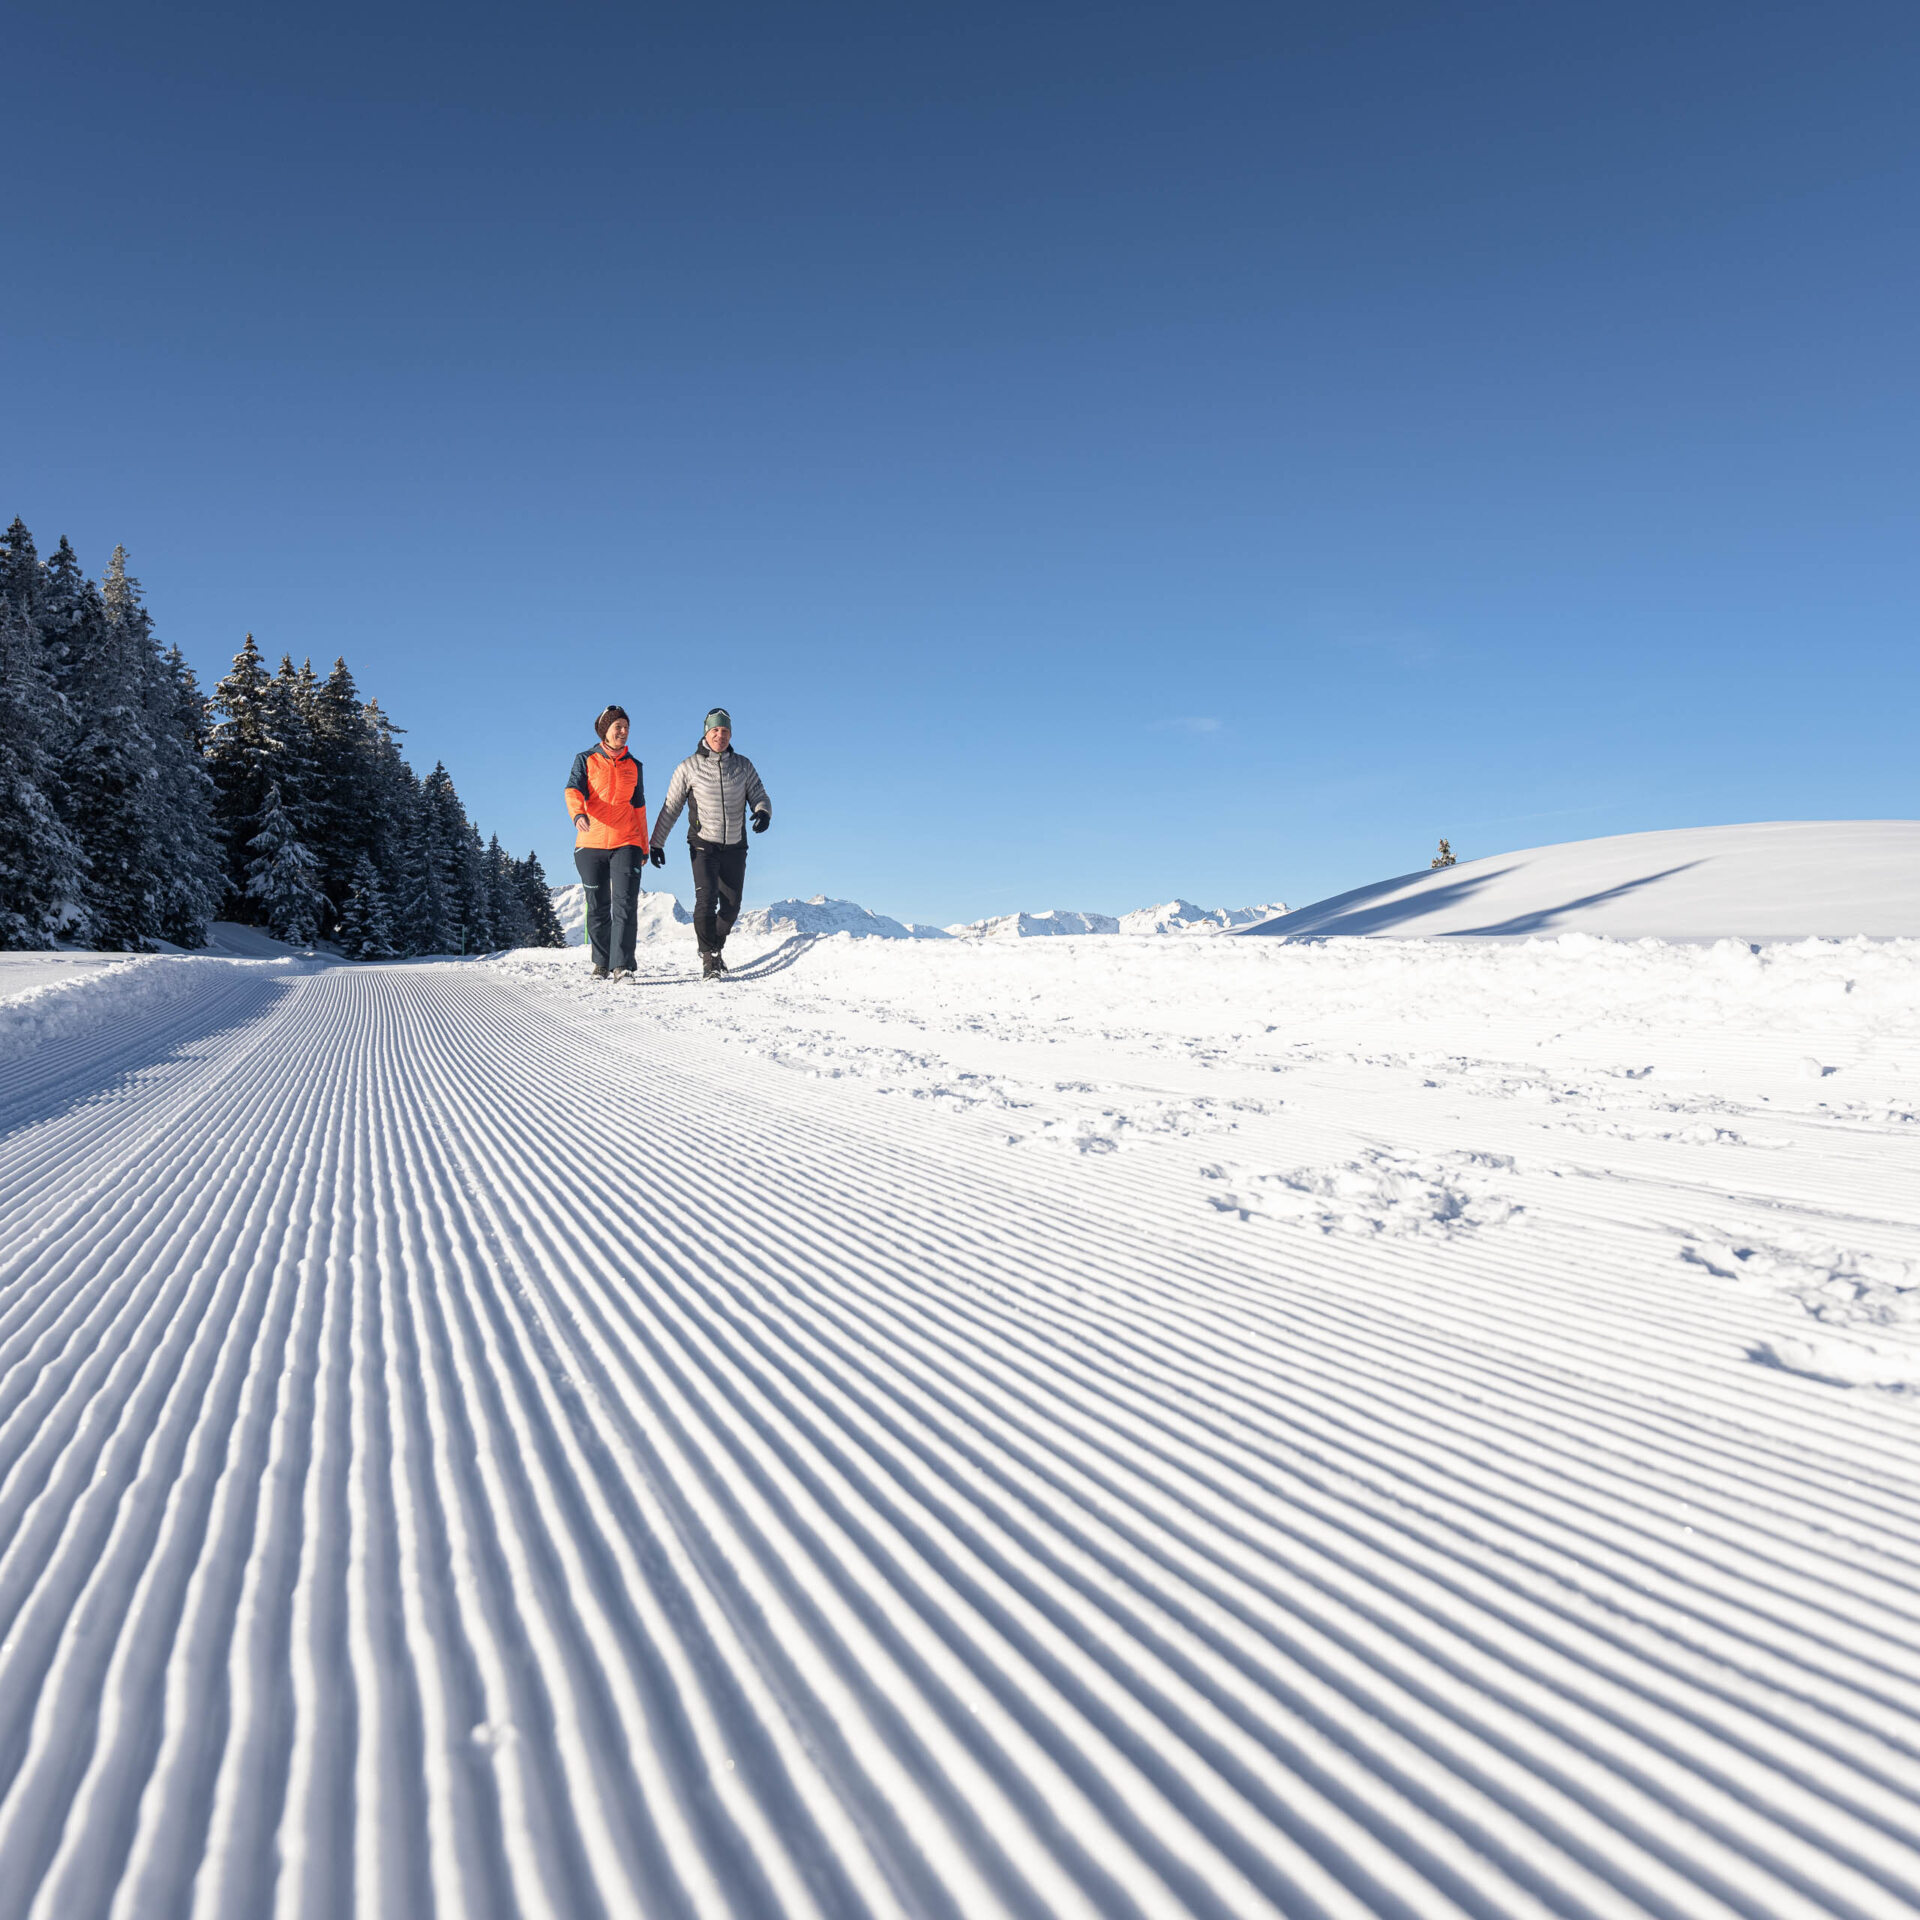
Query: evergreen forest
x=134, y=809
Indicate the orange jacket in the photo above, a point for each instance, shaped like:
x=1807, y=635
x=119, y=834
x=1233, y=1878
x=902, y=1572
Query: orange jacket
x=608, y=800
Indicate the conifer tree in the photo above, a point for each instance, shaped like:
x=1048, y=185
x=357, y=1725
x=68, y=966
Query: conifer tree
x=509, y=922
x=69, y=616
x=192, y=858
x=155, y=844
x=1444, y=858
x=453, y=853
x=422, y=922
x=537, y=897
x=41, y=865
x=20, y=571
x=240, y=756
x=283, y=876
x=105, y=648
x=345, y=749
x=292, y=697
x=131, y=808
x=366, y=923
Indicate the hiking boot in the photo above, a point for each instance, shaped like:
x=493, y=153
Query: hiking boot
x=719, y=963
x=599, y=973
x=710, y=966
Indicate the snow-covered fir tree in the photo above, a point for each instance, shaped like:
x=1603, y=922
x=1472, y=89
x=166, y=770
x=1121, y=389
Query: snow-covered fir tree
x=283, y=876
x=42, y=867
x=192, y=859
x=240, y=754
x=538, y=899
x=134, y=809
x=510, y=924
x=366, y=922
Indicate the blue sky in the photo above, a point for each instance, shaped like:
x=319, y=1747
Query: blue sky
x=1098, y=452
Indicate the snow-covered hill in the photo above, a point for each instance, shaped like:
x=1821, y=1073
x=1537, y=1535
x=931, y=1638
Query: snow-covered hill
x=1768, y=881
x=1000, y=1427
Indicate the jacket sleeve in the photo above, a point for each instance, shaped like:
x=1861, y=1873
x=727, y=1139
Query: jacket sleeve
x=670, y=807
x=757, y=801
x=639, y=802
x=576, y=790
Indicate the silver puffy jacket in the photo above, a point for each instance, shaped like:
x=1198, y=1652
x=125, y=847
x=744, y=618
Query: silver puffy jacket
x=719, y=792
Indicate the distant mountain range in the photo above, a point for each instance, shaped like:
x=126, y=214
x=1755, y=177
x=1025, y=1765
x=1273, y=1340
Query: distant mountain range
x=663, y=918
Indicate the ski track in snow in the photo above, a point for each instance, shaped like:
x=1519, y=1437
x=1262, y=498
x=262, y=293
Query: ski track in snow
x=472, y=1442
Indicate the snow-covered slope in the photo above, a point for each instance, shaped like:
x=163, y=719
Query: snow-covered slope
x=1056, y=1427
x=1182, y=916
x=1771, y=881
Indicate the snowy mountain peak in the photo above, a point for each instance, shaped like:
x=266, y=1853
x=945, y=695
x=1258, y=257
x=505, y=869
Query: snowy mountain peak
x=822, y=915
x=1182, y=916
x=1029, y=926
x=662, y=917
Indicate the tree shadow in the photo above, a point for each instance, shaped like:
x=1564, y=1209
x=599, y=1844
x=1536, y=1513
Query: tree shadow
x=1373, y=909
x=71, y=1069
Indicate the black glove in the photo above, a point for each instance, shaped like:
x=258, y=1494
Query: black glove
x=658, y=856
x=762, y=820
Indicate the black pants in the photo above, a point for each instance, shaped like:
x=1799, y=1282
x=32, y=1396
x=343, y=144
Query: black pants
x=611, y=877
x=718, y=875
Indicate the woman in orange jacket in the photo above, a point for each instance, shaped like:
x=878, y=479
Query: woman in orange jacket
x=607, y=797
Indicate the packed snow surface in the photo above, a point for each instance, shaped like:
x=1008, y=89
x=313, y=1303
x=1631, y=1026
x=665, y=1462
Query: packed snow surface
x=969, y=1428
x=1779, y=880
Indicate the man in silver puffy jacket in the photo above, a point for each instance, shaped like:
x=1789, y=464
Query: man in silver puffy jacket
x=721, y=793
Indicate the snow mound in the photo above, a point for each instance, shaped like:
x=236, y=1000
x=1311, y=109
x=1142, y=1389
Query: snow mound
x=1775, y=880
x=821, y=915
x=49, y=1002
x=1182, y=916
x=1029, y=926
x=1379, y=1192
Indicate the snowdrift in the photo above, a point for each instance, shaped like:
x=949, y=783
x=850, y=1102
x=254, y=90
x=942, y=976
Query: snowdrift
x=1776, y=880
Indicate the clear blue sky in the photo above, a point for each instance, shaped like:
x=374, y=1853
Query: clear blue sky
x=1098, y=451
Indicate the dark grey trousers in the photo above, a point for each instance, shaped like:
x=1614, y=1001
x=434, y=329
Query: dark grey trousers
x=718, y=875
x=611, y=876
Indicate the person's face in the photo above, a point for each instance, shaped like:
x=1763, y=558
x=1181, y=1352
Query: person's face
x=616, y=738
x=717, y=739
